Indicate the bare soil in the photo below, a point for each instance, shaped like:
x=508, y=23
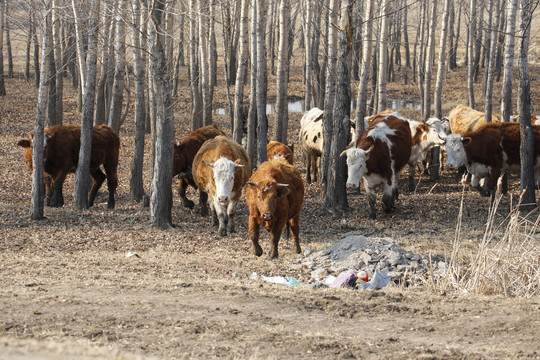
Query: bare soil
x=69, y=290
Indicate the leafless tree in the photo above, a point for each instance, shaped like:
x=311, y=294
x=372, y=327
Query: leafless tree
x=490, y=71
x=117, y=95
x=366, y=62
x=2, y=80
x=426, y=111
x=506, y=95
x=196, y=95
x=383, y=57
x=470, y=54
x=241, y=74
x=252, y=115
x=282, y=74
x=205, y=81
x=308, y=69
x=262, y=121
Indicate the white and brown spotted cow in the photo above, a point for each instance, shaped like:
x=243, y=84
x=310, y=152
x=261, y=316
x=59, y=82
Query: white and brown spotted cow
x=489, y=152
x=221, y=168
x=379, y=156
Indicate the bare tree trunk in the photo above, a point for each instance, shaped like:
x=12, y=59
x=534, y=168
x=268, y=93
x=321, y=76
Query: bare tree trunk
x=361, y=103
x=59, y=66
x=262, y=121
x=490, y=73
x=282, y=78
x=315, y=55
x=38, y=188
x=226, y=55
x=82, y=183
x=136, y=187
x=406, y=36
x=240, y=75
x=308, y=51
x=80, y=49
x=383, y=57
x=330, y=93
x=429, y=61
x=506, y=95
x=442, y=58
x=2, y=81
x=196, y=95
x=161, y=194
x=527, y=182
x=335, y=192
x=106, y=67
x=203, y=62
x=252, y=115
x=420, y=54
x=119, y=68
x=470, y=55
x=212, y=50
x=28, y=45
x=51, y=80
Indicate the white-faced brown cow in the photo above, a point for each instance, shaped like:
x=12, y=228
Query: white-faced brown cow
x=221, y=168
x=278, y=150
x=61, y=156
x=312, y=140
x=379, y=156
x=275, y=194
x=489, y=152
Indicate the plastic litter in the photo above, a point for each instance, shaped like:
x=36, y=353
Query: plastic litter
x=276, y=280
x=342, y=279
x=292, y=281
x=378, y=281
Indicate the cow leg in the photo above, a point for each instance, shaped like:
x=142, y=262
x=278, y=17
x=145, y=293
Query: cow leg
x=388, y=197
x=221, y=213
x=371, y=199
x=110, y=167
x=231, y=212
x=412, y=171
x=295, y=229
x=182, y=187
x=275, y=235
x=99, y=177
x=254, y=235
x=49, y=190
x=203, y=201
x=314, y=167
x=475, y=180
x=308, y=164
x=57, y=198
x=213, y=214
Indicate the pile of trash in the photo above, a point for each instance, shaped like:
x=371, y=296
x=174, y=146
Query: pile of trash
x=359, y=262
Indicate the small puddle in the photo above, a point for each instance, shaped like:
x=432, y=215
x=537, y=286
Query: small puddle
x=298, y=106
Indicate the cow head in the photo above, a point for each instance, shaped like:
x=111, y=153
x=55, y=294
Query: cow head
x=455, y=149
x=438, y=131
x=223, y=170
x=180, y=163
x=356, y=163
x=268, y=194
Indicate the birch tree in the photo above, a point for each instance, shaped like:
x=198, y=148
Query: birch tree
x=196, y=95
x=383, y=57
x=361, y=102
x=205, y=81
x=282, y=74
x=161, y=194
x=426, y=111
x=241, y=74
x=252, y=115
x=490, y=71
x=470, y=55
x=506, y=91
x=82, y=183
x=117, y=97
x=308, y=55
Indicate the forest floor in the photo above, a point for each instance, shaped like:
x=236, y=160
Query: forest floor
x=69, y=290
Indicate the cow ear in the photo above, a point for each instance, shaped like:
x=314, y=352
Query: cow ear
x=343, y=153
x=466, y=141
x=237, y=163
x=253, y=184
x=209, y=163
x=282, y=190
x=25, y=143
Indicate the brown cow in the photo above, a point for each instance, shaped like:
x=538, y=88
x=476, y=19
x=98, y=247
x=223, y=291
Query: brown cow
x=276, y=149
x=275, y=195
x=221, y=168
x=61, y=156
x=184, y=153
x=464, y=119
x=489, y=152
x=379, y=157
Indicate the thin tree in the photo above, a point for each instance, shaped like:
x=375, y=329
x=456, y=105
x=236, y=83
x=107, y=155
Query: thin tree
x=282, y=77
x=2, y=81
x=470, y=55
x=196, y=95
x=330, y=92
x=28, y=45
x=82, y=184
x=426, y=111
x=361, y=102
x=506, y=91
x=238, y=115
x=383, y=57
x=203, y=61
x=38, y=188
x=308, y=55
x=136, y=188
x=8, y=40
x=336, y=194
x=58, y=65
x=262, y=121
x=527, y=183
x=490, y=71
x=252, y=115
x=51, y=80
x=161, y=194
x=117, y=95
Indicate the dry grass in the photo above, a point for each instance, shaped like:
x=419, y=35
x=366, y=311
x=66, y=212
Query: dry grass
x=507, y=261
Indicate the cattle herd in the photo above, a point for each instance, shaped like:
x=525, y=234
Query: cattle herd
x=220, y=168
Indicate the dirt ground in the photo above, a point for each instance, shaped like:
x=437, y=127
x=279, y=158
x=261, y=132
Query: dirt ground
x=69, y=290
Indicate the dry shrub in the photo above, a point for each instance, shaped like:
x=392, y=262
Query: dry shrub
x=507, y=261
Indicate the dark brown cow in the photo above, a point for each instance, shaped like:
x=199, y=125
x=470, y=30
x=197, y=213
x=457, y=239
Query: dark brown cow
x=184, y=153
x=275, y=194
x=490, y=151
x=379, y=157
x=276, y=150
x=61, y=156
x=221, y=168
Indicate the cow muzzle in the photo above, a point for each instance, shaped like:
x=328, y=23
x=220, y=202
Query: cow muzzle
x=223, y=200
x=351, y=186
x=267, y=217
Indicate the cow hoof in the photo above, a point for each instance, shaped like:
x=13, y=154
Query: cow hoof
x=298, y=250
x=273, y=256
x=372, y=216
x=110, y=206
x=222, y=232
x=188, y=204
x=257, y=251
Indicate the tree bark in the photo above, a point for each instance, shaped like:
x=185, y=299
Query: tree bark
x=308, y=53
x=383, y=57
x=426, y=112
x=282, y=74
x=161, y=195
x=252, y=115
x=119, y=68
x=8, y=40
x=136, y=187
x=238, y=114
x=82, y=182
x=527, y=182
x=51, y=79
x=506, y=95
x=196, y=95
x=2, y=80
x=58, y=65
x=361, y=102
x=262, y=121
x=490, y=72
x=203, y=62
x=470, y=55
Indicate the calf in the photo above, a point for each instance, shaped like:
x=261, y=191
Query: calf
x=221, y=168
x=61, y=156
x=184, y=153
x=312, y=139
x=276, y=150
x=490, y=151
x=379, y=157
x=275, y=194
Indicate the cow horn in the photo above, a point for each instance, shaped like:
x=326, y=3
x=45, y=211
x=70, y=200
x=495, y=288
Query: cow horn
x=209, y=163
x=253, y=184
x=238, y=165
x=369, y=150
x=281, y=185
x=343, y=153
